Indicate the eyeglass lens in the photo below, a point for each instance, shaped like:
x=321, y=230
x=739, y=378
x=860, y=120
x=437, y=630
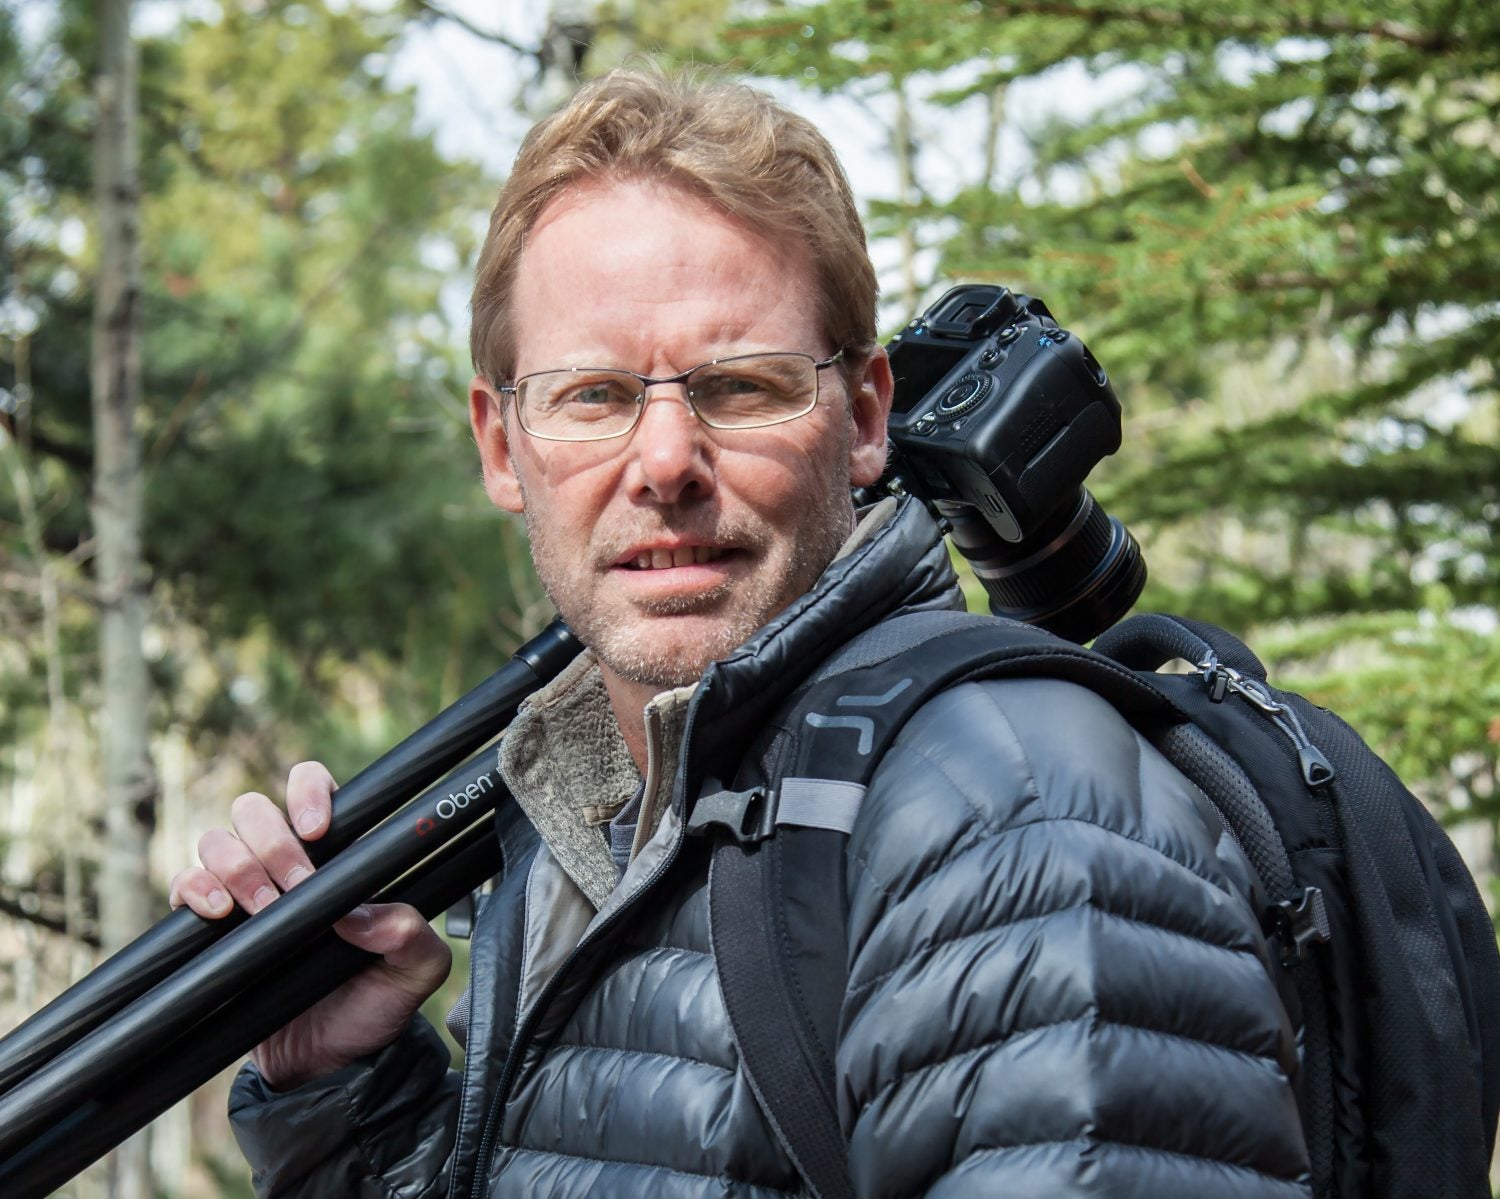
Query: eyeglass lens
x=738, y=393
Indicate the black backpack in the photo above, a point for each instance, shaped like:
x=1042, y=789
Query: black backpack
x=1388, y=955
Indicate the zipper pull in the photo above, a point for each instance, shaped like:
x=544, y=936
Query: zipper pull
x=1317, y=770
x=1215, y=678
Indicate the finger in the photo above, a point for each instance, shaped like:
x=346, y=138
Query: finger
x=262, y=826
x=309, y=799
x=398, y=933
x=201, y=891
x=240, y=871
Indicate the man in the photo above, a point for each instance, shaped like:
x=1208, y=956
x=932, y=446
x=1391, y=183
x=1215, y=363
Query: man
x=1057, y=986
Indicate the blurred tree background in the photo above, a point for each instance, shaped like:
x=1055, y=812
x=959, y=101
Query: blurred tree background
x=1275, y=227
x=1272, y=224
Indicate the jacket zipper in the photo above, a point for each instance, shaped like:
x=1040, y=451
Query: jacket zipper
x=1219, y=679
x=523, y=1033
x=651, y=784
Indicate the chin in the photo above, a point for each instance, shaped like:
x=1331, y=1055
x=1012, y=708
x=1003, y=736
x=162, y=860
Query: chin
x=670, y=657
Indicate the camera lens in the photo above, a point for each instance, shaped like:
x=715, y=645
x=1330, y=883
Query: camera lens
x=1075, y=576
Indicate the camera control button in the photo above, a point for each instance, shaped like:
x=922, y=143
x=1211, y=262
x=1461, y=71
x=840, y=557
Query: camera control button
x=964, y=395
x=925, y=425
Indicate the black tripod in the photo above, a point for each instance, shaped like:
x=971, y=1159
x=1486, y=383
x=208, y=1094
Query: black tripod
x=191, y=996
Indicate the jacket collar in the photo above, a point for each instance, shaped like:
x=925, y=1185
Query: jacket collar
x=563, y=756
x=900, y=566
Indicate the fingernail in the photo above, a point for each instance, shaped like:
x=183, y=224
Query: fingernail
x=262, y=897
x=295, y=875
x=362, y=915
x=218, y=901
x=308, y=822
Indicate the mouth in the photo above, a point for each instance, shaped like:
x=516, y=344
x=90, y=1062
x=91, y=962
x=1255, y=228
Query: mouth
x=666, y=558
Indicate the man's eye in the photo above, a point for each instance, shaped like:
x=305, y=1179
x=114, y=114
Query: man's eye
x=608, y=393
x=730, y=386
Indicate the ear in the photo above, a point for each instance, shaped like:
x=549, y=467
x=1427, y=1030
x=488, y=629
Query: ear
x=487, y=419
x=871, y=392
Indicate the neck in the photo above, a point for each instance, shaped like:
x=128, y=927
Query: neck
x=628, y=700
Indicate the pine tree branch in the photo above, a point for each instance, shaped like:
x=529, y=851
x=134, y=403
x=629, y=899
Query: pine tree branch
x=489, y=35
x=1285, y=26
x=1287, y=281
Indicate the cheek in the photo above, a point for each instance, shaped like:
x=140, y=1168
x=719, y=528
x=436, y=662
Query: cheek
x=565, y=487
x=789, y=467
x=773, y=491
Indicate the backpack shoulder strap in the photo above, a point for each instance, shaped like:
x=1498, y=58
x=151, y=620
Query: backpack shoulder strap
x=834, y=730
x=777, y=878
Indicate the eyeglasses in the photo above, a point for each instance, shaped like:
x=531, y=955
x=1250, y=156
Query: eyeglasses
x=749, y=391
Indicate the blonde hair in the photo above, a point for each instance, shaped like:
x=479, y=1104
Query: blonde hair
x=727, y=143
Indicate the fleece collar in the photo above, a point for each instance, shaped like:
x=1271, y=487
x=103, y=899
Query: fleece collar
x=568, y=767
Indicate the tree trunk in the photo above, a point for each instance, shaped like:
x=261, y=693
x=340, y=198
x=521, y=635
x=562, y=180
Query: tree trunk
x=905, y=152
x=129, y=779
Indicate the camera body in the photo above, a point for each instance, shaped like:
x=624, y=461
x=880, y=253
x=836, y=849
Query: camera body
x=999, y=415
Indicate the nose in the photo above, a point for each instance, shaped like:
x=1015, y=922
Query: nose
x=671, y=452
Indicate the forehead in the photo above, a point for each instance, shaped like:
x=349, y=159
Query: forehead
x=644, y=274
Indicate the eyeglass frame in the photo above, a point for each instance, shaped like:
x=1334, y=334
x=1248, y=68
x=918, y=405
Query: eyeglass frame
x=647, y=382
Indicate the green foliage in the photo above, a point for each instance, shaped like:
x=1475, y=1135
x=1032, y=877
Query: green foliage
x=1277, y=234
x=312, y=492
x=624, y=31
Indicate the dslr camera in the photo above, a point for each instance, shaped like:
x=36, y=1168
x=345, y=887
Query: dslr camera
x=999, y=415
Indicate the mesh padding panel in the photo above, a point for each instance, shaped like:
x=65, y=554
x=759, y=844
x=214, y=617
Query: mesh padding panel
x=1219, y=777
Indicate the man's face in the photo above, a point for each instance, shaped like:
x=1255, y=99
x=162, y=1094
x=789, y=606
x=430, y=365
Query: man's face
x=666, y=548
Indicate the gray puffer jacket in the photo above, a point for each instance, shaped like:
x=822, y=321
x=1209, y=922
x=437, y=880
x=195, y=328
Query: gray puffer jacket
x=1056, y=984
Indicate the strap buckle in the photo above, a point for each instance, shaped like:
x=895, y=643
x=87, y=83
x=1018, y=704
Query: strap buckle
x=458, y=921
x=747, y=816
x=1296, y=923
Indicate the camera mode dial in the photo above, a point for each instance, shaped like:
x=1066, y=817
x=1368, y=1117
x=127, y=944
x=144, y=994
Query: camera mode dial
x=966, y=394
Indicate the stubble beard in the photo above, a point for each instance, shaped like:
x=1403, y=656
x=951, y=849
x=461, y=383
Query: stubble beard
x=622, y=639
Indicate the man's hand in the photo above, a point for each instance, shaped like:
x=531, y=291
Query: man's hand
x=262, y=858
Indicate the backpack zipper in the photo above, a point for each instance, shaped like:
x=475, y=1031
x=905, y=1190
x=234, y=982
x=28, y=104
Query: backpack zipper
x=1299, y=921
x=1317, y=771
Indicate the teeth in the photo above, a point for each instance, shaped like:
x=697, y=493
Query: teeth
x=685, y=555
